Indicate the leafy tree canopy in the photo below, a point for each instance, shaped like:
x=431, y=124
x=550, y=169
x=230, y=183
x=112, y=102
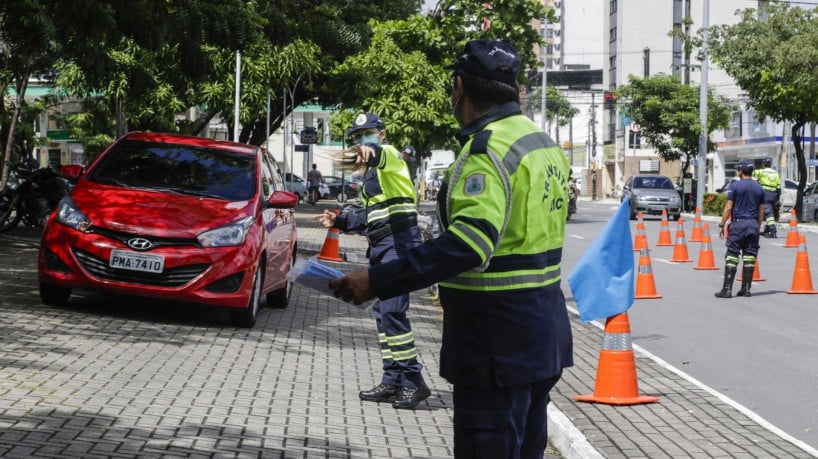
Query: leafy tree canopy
x=668, y=113
x=771, y=53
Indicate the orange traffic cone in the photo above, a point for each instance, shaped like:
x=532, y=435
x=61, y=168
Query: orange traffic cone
x=756, y=274
x=680, y=249
x=640, y=241
x=696, y=234
x=706, y=259
x=616, y=382
x=664, y=231
x=792, y=235
x=329, y=251
x=645, y=286
x=801, y=277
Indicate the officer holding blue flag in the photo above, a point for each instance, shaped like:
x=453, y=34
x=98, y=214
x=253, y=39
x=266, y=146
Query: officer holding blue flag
x=745, y=210
x=503, y=205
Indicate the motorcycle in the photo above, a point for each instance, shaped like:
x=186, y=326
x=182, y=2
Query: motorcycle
x=30, y=195
x=572, y=202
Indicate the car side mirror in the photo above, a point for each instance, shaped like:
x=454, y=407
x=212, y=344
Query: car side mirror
x=282, y=200
x=72, y=172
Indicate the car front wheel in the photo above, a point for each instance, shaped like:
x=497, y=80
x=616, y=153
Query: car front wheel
x=246, y=317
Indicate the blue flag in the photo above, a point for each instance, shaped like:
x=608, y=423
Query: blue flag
x=602, y=281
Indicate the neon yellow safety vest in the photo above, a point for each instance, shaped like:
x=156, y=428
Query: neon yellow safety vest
x=394, y=196
x=768, y=178
x=513, y=177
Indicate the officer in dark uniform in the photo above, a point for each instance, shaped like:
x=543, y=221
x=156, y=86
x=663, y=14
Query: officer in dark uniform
x=745, y=210
x=389, y=221
x=503, y=204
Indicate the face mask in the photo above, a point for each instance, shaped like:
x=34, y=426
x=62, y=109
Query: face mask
x=368, y=138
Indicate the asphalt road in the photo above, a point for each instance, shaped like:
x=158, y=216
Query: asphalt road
x=760, y=352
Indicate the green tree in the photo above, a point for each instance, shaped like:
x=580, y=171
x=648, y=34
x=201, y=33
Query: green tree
x=558, y=108
x=668, y=113
x=771, y=53
x=400, y=74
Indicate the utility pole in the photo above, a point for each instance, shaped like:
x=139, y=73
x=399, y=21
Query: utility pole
x=544, y=73
x=701, y=164
x=238, y=98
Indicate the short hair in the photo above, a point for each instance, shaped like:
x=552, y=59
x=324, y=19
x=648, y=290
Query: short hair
x=485, y=93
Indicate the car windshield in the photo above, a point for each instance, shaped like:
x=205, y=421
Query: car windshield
x=180, y=169
x=662, y=183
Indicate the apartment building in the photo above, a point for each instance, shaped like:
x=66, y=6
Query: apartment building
x=638, y=43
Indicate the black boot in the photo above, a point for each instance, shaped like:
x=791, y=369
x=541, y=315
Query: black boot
x=410, y=396
x=729, y=276
x=380, y=393
x=746, y=280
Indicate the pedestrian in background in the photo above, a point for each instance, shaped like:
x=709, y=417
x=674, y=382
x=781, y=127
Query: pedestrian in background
x=388, y=217
x=770, y=182
x=503, y=204
x=745, y=210
x=314, y=182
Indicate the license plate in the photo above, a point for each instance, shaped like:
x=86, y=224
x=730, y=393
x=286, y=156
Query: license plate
x=135, y=261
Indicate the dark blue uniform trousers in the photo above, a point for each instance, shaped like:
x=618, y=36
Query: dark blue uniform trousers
x=507, y=422
x=400, y=364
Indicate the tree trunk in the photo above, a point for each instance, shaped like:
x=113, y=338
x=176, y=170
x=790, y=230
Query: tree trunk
x=802, y=167
x=22, y=84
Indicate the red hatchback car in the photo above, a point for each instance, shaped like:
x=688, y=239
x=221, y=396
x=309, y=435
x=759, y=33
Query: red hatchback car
x=178, y=218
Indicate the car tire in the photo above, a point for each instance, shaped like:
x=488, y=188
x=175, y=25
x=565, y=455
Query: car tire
x=246, y=317
x=53, y=295
x=815, y=215
x=281, y=298
x=631, y=213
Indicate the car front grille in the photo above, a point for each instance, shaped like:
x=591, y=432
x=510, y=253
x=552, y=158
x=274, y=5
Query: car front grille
x=170, y=277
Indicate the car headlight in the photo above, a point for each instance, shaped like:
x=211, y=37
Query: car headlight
x=675, y=199
x=227, y=235
x=71, y=216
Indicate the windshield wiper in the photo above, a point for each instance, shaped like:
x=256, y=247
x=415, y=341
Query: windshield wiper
x=188, y=192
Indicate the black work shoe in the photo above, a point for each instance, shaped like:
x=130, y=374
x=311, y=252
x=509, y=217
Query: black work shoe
x=410, y=396
x=380, y=393
x=724, y=293
x=744, y=292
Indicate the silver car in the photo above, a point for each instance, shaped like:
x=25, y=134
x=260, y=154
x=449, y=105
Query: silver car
x=651, y=194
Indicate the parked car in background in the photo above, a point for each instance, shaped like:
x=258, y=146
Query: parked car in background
x=175, y=218
x=296, y=184
x=811, y=202
x=651, y=194
x=350, y=190
x=789, y=191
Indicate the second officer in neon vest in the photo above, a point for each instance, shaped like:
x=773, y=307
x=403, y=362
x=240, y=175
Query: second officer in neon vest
x=388, y=219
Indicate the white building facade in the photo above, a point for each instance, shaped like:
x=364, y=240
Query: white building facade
x=638, y=43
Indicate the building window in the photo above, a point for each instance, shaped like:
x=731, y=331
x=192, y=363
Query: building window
x=613, y=34
x=613, y=6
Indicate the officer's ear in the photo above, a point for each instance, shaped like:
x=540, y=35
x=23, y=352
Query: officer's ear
x=381, y=135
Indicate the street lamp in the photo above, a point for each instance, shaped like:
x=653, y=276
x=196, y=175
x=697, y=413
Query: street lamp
x=292, y=129
x=635, y=128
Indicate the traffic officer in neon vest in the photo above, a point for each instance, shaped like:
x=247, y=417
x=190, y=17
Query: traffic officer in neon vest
x=389, y=221
x=770, y=181
x=503, y=204
x=745, y=210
